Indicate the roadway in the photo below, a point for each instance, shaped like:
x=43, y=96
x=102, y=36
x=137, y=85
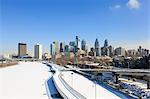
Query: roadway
x=138, y=72
x=75, y=86
x=117, y=71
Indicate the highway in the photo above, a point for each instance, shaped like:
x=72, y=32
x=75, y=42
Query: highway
x=76, y=86
x=139, y=72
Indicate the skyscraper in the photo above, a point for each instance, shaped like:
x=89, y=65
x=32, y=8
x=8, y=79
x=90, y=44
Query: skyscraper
x=97, y=47
x=38, y=51
x=111, y=51
x=61, y=47
x=51, y=49
x=92, y=52
x=56, y=47
x=66, y=49
x=22, y=49
x=105, y=49
x=72, y=45
x=106, y=43
x=77, y=44
x=77, y=40
x=83, y=45
x=107, y=52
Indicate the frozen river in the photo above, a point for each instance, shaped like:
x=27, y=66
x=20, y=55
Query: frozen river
x=24, y=81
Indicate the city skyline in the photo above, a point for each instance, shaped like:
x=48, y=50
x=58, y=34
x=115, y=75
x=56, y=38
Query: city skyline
x=124, y=23
x=23, y=49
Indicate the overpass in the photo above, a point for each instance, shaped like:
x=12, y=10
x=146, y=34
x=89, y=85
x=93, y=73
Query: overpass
x=25, y=59
x=118, y=71
x=123, y=71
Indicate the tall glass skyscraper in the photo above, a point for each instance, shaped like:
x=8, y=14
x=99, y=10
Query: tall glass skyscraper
x=83, y=45
x=106, y=43
x=51, y=49
x=77, y=40
x=38, y=51
x=61, y=47
x=97, y=50
x=76, y=44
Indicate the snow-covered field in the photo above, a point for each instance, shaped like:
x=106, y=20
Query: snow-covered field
x=88, y=88
x=24, y=81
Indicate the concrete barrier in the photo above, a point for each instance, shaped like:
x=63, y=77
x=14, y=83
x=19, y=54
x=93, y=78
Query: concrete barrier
x=64, y=89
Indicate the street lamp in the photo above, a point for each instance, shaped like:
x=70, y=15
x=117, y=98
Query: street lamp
x=72, y=79
x=95, y=88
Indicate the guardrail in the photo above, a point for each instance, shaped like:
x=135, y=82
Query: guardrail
x=47, y=89
x=64, y=89
x=74, y=92
x=59, y=90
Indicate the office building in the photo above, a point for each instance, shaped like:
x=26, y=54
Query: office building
x=38, y=51
x=120, y=51
x=97, y=49
x=62, y=47
x=83, y=45
x=56, y=47
x=92, y=52
x=142, y=51
x=103, y=51
x=77, y=44
x=111, y=51
x=66, y=49
x=72, y=45
x=132, y=52
x=107, y=52
x=22, y=49
x=106, y=43
x=77, y=41
x=51, y=49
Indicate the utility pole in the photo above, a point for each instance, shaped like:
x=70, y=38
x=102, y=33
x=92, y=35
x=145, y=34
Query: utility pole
x=95, y=89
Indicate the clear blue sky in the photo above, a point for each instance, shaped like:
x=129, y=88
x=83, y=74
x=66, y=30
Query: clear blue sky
x=123, y=22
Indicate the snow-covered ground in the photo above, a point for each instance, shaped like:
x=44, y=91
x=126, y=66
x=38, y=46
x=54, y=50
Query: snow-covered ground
x=24, y=81
x=137, y=88
x=87, y=88
x=140, y=83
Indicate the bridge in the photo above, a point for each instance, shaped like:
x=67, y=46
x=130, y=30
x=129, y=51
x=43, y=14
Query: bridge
x=118, y=71
x=25, y=59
